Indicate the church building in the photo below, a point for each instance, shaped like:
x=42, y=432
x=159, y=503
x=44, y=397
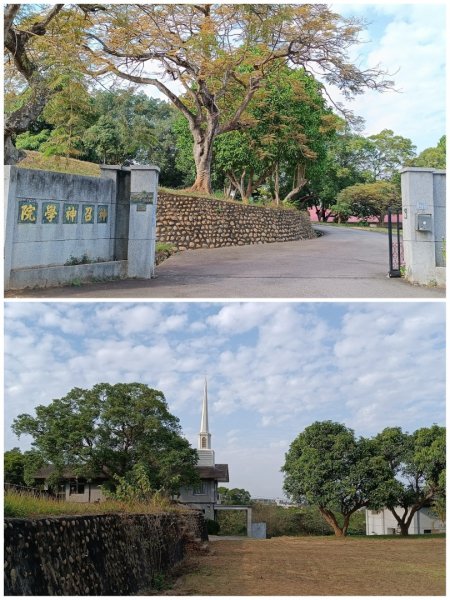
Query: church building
x=205, y=496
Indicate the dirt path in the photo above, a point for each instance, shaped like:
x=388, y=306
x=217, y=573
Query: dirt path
x=317, y=566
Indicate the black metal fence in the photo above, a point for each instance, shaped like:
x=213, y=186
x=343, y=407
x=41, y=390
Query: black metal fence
x=396, y=257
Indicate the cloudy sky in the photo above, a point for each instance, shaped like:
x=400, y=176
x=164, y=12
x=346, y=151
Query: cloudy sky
x=407, y=40
x=272, y=368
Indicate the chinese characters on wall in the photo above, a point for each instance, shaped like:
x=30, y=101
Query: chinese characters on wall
x=68, y=213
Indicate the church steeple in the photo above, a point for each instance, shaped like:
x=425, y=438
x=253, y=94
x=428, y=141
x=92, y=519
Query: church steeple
x=204, y=451
x=204, y=437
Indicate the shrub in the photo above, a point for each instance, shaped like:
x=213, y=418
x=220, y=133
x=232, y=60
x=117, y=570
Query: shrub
x=213, y=527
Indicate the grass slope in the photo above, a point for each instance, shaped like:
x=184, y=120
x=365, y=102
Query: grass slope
x=36, y=160
x=23, y=505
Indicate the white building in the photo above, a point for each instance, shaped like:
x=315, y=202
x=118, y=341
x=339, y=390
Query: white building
x=205, y=496
x=383, y=522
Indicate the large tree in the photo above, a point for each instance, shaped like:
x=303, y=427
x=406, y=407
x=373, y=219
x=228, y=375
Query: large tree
x=110, y=429
x=434, y=157
x=329, y=468
x=22, y=31
x=387, y=154
x=417, y=464
x=208, y=49
x=287, y=126
x=291, y=125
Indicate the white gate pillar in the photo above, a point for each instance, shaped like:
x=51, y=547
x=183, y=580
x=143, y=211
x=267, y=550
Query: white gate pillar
x=142, y=225
x=423, y=205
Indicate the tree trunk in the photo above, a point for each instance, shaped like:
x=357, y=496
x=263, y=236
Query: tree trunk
x=20, y=120
x=12, y=155
x=277, y=184
x=331, y=520
x=203, y=152
x=298, y=183
x=405, y=520
x=203, y=161
x=404, y=528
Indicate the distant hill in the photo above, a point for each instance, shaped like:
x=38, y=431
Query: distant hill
x=36, y=160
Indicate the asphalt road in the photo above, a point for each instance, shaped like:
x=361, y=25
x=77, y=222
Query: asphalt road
x=342, y=263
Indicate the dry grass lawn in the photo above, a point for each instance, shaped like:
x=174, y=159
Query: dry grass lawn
x=322, y=566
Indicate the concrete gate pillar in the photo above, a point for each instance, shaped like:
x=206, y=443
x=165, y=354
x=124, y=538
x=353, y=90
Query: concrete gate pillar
x=423, y=204
x=142, y=224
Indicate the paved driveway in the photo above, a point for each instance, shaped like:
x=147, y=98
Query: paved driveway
x=342, y=263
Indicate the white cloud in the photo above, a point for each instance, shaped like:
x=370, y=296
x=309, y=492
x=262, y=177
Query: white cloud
x=412, y=48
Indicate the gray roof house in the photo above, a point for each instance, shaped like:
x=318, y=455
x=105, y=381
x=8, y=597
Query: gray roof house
x=204, y=497
x=72, y=487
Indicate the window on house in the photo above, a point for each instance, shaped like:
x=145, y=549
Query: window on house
x=427, y=530
x=203, y=442
x=76, y=487
x=201, y=489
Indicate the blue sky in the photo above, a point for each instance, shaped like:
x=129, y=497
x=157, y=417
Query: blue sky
x=409, y=41
x=272, y=368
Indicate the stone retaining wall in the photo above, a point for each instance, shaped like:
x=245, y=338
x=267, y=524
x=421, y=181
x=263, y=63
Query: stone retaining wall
x=95, y=554
x=189, y=222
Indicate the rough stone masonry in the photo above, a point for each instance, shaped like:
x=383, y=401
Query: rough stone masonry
x=95, y=555
x=189, y=223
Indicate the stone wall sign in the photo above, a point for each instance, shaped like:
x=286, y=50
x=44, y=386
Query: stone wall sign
x=142, y=198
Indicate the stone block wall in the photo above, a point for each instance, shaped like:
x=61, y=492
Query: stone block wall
x=189, y=222
x=94, y=554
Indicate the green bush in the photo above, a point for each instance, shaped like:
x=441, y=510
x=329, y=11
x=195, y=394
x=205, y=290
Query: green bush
x=304, y=520
x=212, y=526
x=233, y=522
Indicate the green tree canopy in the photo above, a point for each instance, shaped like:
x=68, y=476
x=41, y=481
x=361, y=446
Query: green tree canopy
x=14, y=465
x=327, y=467
x=434, y=158
x=234, y=496
x=417, y=464
x=387, y=154
x=286, y=130
x=343, y=165
x=368, y=200
x=110, y=429
x=19, y=468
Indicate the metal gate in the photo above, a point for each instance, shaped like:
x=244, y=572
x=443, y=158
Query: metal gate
x=396, y=258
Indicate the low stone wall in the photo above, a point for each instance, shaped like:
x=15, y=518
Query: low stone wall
x=189, y=222
x=94, y=554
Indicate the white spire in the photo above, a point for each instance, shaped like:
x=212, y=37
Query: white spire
x=206, y=455
x=204, y=427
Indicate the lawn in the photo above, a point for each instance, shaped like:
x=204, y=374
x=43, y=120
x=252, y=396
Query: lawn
x=318, y=566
